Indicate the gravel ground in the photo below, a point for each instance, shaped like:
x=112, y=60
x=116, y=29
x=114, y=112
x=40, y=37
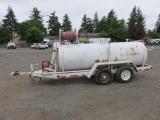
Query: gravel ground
x=75, y=99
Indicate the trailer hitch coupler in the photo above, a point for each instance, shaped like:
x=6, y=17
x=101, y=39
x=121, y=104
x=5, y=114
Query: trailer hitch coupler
x=14, y=73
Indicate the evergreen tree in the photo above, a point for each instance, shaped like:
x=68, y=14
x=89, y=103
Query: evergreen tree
x=66, y=25
x=117, y=30
x=36, y=14
x=53, y=25
x=95, y=21
x=111, y=15
x=10, y=24
x=103, y=34
x=4, y=34
x=101, y=25
x=157, y=25
x=84, y=24
x=89, y=25
x=136, y=24
x=104, y=23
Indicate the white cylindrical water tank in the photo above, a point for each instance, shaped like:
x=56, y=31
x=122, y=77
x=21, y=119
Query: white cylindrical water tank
x=84, y=56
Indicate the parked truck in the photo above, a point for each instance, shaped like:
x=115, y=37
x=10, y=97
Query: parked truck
x=102, y=61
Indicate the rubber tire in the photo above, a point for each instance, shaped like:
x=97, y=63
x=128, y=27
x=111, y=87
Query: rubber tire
x=119, y=72
x=98, y=76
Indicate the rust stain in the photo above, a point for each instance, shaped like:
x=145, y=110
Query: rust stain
x=133, y=51
x=97, y=61
x=104, y=60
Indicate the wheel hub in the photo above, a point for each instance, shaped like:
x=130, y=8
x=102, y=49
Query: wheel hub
x=126, y=74
x=105, y=77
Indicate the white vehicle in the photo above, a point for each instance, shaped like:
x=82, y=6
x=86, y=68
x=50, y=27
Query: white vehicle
x=42, y=46
x=11, y=45
x=100, y=60
x=46, y=45
x=152, y=41
x=157, y=42
x=34, y=45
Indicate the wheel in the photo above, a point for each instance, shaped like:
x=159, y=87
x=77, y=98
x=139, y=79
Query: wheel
x=124, y=74
x=104, y=76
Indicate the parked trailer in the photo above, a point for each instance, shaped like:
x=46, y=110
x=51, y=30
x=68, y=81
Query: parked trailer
x=99, y=60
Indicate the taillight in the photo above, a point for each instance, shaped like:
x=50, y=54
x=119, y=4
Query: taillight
x=45, y=64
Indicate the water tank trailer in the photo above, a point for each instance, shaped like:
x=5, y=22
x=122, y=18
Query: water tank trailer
x=102, y=61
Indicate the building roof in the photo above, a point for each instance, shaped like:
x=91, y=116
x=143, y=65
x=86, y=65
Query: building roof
x=50, y=37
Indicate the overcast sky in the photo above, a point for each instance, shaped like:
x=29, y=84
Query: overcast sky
x=77, y=8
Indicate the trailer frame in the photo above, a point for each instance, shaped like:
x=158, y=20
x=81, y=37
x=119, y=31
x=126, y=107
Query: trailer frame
x=54, y=74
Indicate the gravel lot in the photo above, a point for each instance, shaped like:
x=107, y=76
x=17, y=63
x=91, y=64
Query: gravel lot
x=75, y=99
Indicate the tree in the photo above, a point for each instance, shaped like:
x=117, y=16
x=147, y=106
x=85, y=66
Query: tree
x=53, y=24
x=111, y=15
x=10, y=24
x=89, y=25
x=103, y=34
x=84, y=24
x=36, y=14
x=66, y=25
x=104, y=23
x=95, y=21
x=4, y=35
x=136, y=24
x=153, y=34
x=117, y=30
x=157, y=25
x=101, y=25
x=34, y=34
x=31, y=25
